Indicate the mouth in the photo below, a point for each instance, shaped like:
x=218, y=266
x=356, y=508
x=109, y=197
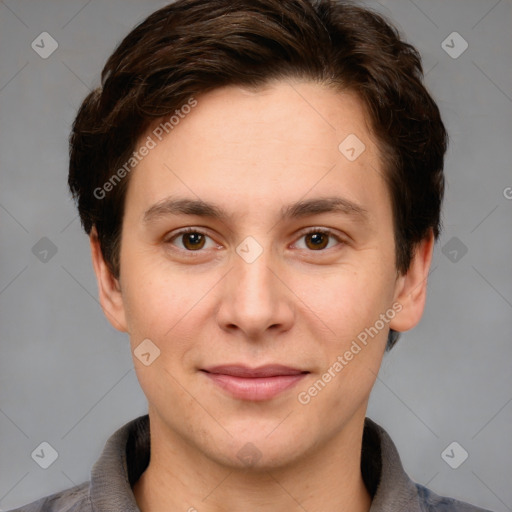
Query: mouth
x=254, y=384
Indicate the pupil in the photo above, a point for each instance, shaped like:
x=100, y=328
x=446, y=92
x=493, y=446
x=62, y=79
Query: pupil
x=193, y=240
x=318, y=239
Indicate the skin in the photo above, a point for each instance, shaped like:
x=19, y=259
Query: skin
x=252, y=153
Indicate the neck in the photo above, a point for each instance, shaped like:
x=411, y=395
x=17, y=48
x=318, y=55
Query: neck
x=179, y=478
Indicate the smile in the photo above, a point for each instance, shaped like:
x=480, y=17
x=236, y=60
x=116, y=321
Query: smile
x=255, y=384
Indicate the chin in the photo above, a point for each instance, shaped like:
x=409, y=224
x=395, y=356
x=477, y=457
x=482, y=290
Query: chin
x=261, y=446
x=262, y=457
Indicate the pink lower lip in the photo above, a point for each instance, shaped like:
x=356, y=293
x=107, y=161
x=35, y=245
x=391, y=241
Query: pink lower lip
x=256, y=388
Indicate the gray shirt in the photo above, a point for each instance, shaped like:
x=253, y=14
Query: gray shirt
x=126, y=456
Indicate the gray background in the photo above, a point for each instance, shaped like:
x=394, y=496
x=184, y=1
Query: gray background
x=66, y=375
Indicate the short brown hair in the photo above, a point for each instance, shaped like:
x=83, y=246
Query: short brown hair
x=193, y=46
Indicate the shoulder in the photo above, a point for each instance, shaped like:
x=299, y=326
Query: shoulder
x=383, y=469
x=432, y=502
x=75, y=499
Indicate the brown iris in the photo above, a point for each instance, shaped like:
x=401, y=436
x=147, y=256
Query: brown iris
x=318, y=240
x=193, y=241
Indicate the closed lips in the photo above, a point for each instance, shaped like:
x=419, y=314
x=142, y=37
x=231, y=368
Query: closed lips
x=254, y=373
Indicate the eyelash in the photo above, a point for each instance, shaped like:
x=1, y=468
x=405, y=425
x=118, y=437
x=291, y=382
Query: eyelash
x=197, y=253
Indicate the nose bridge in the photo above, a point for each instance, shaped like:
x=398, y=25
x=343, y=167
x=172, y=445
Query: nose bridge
x=254, y=278
x=254, y=299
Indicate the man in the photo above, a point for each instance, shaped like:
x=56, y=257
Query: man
x=261, y=182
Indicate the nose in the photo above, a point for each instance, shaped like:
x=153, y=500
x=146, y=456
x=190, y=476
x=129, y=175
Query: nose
x=255, y=300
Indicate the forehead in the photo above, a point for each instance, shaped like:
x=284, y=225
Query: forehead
x=277, y=143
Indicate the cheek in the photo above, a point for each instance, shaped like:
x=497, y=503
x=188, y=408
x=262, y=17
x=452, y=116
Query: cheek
x=167, y=305
x=154, y=300
x=347, y=300
x=350, y=341
x=159, y=310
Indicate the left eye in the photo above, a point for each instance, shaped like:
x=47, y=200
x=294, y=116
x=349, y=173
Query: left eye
x=319, y=239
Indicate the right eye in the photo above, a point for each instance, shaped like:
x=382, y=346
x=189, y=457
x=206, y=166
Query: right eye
x=191, y=240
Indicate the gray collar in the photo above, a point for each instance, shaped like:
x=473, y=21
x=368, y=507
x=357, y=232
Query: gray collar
x=126, y=456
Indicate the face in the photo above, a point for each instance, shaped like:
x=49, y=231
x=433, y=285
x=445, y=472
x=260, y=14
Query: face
x=258, y=258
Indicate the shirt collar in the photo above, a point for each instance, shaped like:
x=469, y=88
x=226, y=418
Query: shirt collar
x=126, y=456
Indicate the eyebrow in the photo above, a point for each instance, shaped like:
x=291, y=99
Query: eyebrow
x=299, y=209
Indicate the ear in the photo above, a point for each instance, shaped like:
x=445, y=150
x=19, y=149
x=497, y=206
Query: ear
x=411, y=287
x=109, y=289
